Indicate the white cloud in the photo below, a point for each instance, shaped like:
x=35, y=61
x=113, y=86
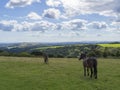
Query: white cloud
x=78, y=7
x=53, y=3
x=20, y=3
x=52, y=13
x=7, y=25
x=108, y=8
x=76, y=24
x=13, y=25
x=43, y=26
x=98, y=25
x=34, y=16
x=115, y=26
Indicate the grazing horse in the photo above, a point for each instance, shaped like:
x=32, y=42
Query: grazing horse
x=45, y=56
x=89, y=63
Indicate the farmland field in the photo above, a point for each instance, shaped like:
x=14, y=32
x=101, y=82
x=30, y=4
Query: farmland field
x=110, y=45
x=22, y=73
x=46, y=47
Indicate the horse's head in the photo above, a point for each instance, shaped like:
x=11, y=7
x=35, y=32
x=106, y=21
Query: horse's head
x=82, y=56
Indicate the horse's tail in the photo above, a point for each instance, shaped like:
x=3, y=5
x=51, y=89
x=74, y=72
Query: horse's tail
x=95, y=68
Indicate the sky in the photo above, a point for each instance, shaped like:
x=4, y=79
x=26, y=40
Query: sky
x=59, y=20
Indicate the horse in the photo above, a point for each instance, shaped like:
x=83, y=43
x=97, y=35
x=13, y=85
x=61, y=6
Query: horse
x=89, y=63
x=45, y=56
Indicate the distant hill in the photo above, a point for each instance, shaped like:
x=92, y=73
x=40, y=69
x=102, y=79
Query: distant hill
x=64, y=49
x=31, y=44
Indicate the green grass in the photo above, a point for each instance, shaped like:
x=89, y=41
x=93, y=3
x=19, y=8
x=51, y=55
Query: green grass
x=46, y=47
x=110, y=45
x=19, y=73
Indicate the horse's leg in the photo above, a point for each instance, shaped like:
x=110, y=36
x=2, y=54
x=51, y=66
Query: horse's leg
x=46, y=60
x=84, y=71
x=96, y=75
x=87, y=71
x=91, y=72
x=95, y=72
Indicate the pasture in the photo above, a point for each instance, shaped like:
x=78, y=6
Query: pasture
x=48, y=47
x=110, y=45
x=22, y=73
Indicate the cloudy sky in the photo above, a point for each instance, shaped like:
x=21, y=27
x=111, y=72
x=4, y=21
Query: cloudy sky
x=59, y=20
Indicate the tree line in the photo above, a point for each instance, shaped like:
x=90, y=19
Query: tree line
x=68, y=51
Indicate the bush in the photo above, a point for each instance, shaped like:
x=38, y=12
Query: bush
x=36, y=53
x=24, y=54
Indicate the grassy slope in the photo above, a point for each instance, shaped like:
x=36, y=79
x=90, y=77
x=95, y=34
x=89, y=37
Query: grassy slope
x=110, y=45
x=60, y=74
x=46, y=47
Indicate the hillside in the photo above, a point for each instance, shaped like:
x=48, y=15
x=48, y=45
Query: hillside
x=61, y=49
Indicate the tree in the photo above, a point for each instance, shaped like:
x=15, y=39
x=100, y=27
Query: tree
x=105, y=53
x=24, y=54
x=118, y=53
x=36, y=53
x=5, y=53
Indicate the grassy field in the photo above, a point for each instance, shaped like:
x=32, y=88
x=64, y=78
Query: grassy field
x=47, y=47
x=19, y=73
x=110, y=45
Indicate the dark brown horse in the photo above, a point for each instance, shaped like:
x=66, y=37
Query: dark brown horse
x=89, y=63
x=45, y=56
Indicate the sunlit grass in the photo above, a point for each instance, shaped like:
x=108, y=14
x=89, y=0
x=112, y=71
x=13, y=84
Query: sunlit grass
x=110, y=45
x=19, y=73
x=46, y=47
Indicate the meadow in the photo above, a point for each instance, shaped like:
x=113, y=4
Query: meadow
x=48, y=47
x=23, y=73
x=110, y=45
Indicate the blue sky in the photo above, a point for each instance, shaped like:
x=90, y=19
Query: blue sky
x=59, y=20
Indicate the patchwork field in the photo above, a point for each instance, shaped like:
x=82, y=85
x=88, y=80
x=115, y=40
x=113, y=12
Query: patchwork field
x=110, y=45
x=20, y=73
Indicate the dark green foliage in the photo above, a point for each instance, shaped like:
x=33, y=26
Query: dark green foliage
x=118, y=53
x=1, y=51
x=4, y=53
x=66, y=51
x=92, y=50
x=36, y=53
x=105, y=53
x=24, y=54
